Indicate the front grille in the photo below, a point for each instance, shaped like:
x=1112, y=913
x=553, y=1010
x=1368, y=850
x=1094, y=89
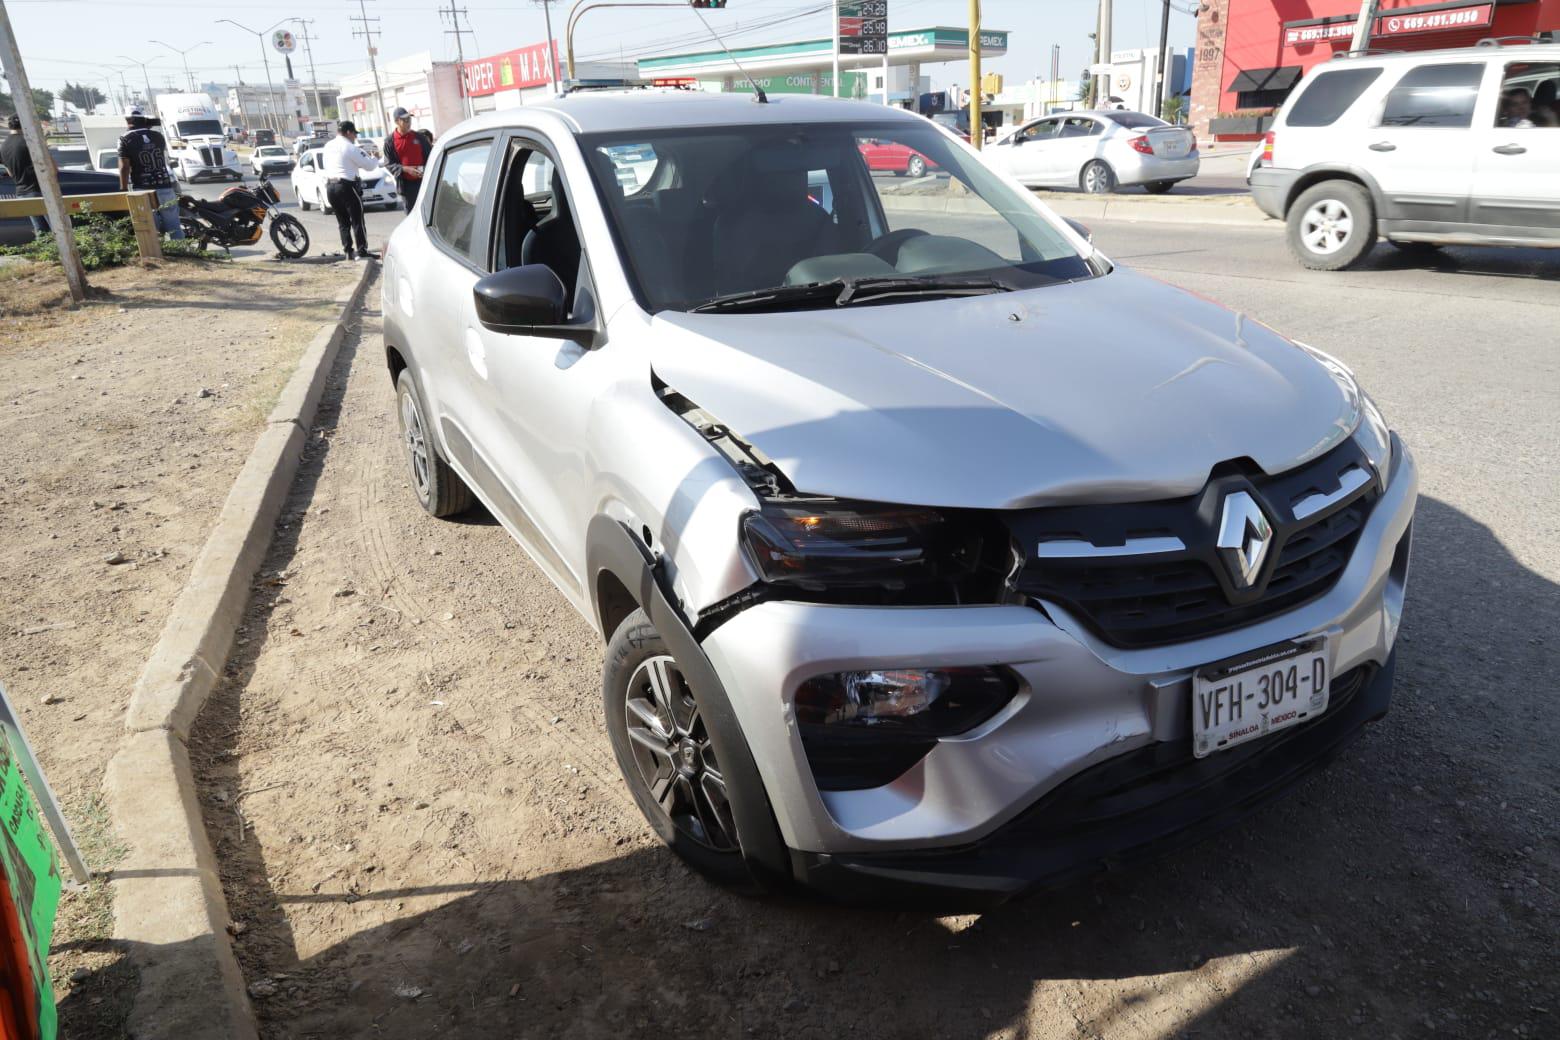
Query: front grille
x=1186, y=592
x=211, y=156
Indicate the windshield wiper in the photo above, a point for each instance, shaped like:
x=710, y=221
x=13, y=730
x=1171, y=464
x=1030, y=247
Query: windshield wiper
x=844, y=292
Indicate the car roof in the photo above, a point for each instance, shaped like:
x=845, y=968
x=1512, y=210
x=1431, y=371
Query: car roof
x=596, y=111
x=1516, y=51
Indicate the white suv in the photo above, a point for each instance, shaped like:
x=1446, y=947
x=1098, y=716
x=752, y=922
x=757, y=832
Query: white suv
x=1430, y=148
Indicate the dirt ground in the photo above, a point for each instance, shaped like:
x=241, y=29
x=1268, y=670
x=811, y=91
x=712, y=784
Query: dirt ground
x=423, y=833
x=122, y=426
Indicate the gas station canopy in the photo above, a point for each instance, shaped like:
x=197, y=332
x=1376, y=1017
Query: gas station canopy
x=909, y=47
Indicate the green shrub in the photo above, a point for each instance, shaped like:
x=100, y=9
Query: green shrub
x=103, y=241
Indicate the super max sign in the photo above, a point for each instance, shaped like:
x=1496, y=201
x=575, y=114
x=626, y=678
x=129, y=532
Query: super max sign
x=512, y=70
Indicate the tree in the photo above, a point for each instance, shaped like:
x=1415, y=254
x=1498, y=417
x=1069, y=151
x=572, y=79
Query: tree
x=43, y=102
x=82, y=95
x=1174, y=108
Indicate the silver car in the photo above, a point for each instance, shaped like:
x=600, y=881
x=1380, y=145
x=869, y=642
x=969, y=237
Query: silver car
x=934, y=553
x=1098, y=152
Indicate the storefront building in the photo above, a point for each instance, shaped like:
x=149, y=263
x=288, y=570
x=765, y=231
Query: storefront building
x=1251, y=54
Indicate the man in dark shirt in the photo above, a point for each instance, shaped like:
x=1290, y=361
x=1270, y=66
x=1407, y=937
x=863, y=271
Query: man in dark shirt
x=143, y=166
x=406, y=153
x=15, y=157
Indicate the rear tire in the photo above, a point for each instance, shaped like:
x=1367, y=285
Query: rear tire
x=1331, y=225
x=438, y=489
x=1096, y=178
x=667, y=760
x=1158, y=187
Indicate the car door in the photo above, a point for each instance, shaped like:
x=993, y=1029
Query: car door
x=1078, y=141
x=1418, y=146
x=1029, y=159
x=536, y=391
x=1516, y=172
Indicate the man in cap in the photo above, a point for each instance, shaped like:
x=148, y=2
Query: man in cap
x=16, y=158
x=406, y=154
x=143, y=166
x=341, y=161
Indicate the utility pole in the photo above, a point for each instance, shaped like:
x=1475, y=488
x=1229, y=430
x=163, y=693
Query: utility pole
x=314, y=81
x=259, y=35
x=366, y=30
x=834, y=12
x=243, y=116
x=454, y=14
x=1363, y=27
x=48, y=181
x=552, y=47
x=1163, y=80
x=977, y=130
x=1101, y=80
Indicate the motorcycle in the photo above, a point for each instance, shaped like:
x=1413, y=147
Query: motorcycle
x=238, y=218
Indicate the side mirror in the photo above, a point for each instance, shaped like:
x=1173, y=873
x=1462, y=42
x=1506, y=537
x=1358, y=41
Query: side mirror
x=1082, y=229
x=530, y=301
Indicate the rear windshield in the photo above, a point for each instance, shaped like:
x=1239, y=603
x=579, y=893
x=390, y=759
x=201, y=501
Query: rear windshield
x=1134, y=120
x=1329, y=96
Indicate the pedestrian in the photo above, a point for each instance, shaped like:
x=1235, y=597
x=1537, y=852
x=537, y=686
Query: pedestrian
x=18, y=160
x=342, y=159
x=143, y=166
x=406, y=153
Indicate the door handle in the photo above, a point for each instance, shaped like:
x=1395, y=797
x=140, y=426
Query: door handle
x=1383, y=146
x=1509, y=149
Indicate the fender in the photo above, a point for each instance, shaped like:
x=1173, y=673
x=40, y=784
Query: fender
x=1320, y=171
x=611, y=548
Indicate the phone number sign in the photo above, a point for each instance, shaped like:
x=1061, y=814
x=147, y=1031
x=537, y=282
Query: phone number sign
x=863, y=26
x=1474, y=16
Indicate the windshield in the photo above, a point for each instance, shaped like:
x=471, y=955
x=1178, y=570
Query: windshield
x=200, y=128
x=272, y=149
x=709, y=213
x=70, y=156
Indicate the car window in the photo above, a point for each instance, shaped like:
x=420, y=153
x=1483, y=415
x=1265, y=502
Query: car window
x=1434, y=96
x=1078, y=126
x=635, y=165
x=1528, y=96
x=1134, y=120
x=1041, y=131
x=457, y=193
x=1329, y=96
x=763, y=206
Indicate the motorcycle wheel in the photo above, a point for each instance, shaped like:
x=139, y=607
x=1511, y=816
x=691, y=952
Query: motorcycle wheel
x=289, y=235
x=193, y=232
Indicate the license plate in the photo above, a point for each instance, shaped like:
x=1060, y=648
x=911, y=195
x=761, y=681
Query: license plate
x=1252, y=696
x=1173, y=148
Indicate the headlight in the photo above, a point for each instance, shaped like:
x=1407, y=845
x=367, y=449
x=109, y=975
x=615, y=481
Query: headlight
x=1371, y=429
x=826, y=543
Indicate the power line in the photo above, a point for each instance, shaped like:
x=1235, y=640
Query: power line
x=367, y=28
x=454, y=13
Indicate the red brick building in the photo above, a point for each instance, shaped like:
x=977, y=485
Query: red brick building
x=1250, y=54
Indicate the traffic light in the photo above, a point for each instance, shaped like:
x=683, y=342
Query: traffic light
x=707, y=3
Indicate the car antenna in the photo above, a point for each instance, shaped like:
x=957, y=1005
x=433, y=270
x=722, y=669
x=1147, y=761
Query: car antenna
x=758, y=91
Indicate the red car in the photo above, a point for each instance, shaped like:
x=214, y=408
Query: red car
x=894, y=158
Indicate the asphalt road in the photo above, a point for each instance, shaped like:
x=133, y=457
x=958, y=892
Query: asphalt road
x=444, y=814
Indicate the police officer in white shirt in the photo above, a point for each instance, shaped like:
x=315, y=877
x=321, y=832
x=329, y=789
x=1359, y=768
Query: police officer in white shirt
x=341, y=161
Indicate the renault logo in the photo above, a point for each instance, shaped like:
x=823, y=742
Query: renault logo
x=1244, y=537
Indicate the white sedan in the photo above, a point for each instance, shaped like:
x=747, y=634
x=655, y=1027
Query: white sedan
x=1098, y=152
x=308, y=184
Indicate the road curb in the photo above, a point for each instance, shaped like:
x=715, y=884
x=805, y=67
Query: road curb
x=169, y=909
x=1180, y=211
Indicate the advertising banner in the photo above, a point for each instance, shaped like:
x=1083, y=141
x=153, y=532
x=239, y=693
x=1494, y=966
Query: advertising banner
x=511, y=70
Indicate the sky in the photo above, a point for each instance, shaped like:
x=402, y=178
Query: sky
x=81, y=40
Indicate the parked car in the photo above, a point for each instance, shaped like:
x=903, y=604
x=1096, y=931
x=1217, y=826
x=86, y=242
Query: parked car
x=308, y=184
x=71, y=157
x=894, y=158
x=927, y=561
x=18, y=230
x=269, y=159
x=371, y=145
x=1425, y=148
x=1098, y=152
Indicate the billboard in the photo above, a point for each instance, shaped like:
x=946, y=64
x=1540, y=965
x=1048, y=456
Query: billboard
x=511, y=70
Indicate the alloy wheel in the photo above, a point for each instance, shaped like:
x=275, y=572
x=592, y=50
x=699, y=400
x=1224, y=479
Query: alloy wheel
x=1326, y=226
x=672, y=753
x=416, y=445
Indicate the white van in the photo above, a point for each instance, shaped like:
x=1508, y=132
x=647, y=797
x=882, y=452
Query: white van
x=1431, y=148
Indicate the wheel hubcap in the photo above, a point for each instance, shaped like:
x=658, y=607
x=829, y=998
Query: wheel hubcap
x=416, y=444
x=672, y=753
x=1096, y=178
x=1326, y=226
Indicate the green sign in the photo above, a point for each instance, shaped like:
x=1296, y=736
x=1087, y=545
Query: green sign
x=31, y=873
x=852, y=84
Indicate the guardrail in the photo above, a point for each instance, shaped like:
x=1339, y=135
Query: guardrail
x=139, y=204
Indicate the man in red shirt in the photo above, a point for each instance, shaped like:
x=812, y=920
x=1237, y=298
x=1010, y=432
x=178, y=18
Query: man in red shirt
x=406, y=153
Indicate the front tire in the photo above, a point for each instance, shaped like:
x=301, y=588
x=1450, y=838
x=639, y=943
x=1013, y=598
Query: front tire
x=665, y=754
x=303, y=203
x=917, y=166
x=1331, y=225
x=1097, y=178
x=439, y=491
x=289, y=236
x=319, y=197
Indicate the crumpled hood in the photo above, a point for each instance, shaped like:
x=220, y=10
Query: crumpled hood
x=1120, y=388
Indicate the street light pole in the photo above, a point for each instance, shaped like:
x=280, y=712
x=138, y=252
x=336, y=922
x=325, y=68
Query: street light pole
x=259, y=35
x=144, y=74
x=182, y=57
